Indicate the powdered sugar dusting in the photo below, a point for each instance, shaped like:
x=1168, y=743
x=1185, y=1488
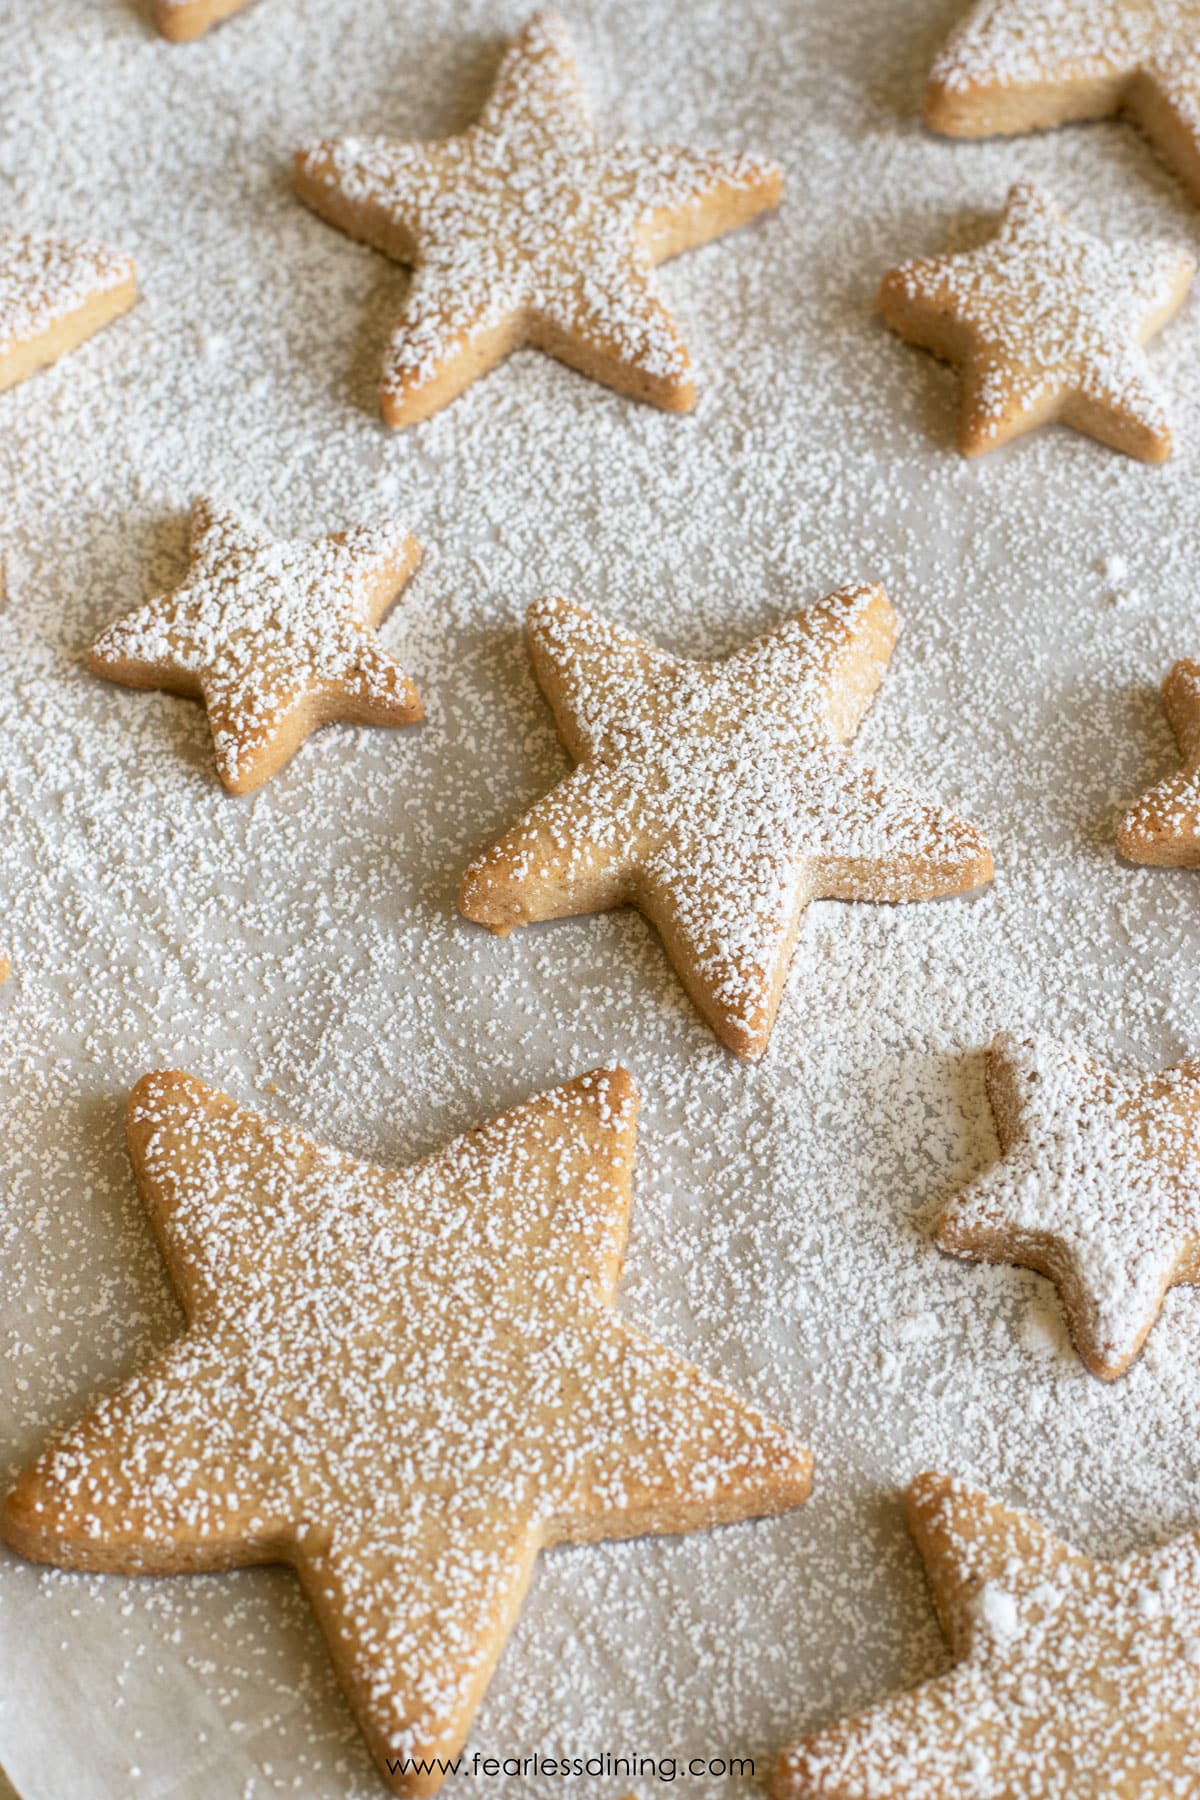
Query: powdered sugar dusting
x=527, y=229
x=1049, y=314
x=1163, y=826
x=1073, y=1675
x=260, y=628
x=1019, y=65
x=719, y=799
x=43, y=280
x=1099, y=1185
x=406, y=1383
x=1015, y=43
x=302, y=950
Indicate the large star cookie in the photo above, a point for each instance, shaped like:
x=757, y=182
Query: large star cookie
x=1073, y=1679
x=1098, y=1188
x=1164, y=826
x=275, y=638
x=1019, y=65
x=53, y=295
x=525, y=229
x=182, y=20
x=403, y=1382
x=717, y=797
x=1048, y=323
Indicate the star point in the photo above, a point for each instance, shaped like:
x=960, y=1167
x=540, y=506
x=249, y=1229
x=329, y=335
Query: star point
x=1163, y=827
x=276, y=638
x=718, y=798
x=1071, y=1676
x=526, y=229
x=403, y=1382
x=54, y=294
x=1048, y=324
x=1022, y=65
x=184, y=20
x=1098, y=1188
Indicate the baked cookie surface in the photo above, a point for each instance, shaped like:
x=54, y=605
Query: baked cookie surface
x=275, y=638
x=1048, y=324
x=1071, y=1677
x=525, y=229
x=309, y=938
x=718, y=799
x=53, y=295
x=183, y=20
x=1098, y=1188
x=405, y=1383
x=1163, y=827
x=1019, y=65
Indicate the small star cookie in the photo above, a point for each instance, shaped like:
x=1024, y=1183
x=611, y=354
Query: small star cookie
x=403, y=1382
x=1164, y=826
x=1019, y=65
x=718, y=798
x=525, y=229
x=1098, y=1189
x=275, y=638
x=1072, y=1678
x=183, y=20
x=53, y=295
x=1048, y=323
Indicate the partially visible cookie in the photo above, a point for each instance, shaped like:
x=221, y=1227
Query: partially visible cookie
x=276, y=638
x=5, y=965
x=1164, y=825
x=1048, y=323
x=1098, y=1188
x=719, y=798
x=1072, y=1679
x=526, y=229
x=182, y=20
x=404, y=1382
x=53, y=295
x=1019, y=65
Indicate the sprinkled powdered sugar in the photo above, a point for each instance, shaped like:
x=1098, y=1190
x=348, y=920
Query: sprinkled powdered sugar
x=1049, y=316
x=719, y=799
x=265, y=631
x=404, y=1382
x=1072, y=1678
x=302, y=950
x=1163, y=826
x=1099, y=1187
x=1018, y=65
x=527, y=229
x=1018, y=42
x=43, y=280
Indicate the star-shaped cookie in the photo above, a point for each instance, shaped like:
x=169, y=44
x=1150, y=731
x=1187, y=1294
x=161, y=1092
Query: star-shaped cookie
x=275, y=638
x=718, y=798
x=1019, y=65
x=1048, y=323
x=1073, y=1679
x=53, y=295
x=1164, y=826
x=405, y=1383
x=1098, y=1188
x=525, y=229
